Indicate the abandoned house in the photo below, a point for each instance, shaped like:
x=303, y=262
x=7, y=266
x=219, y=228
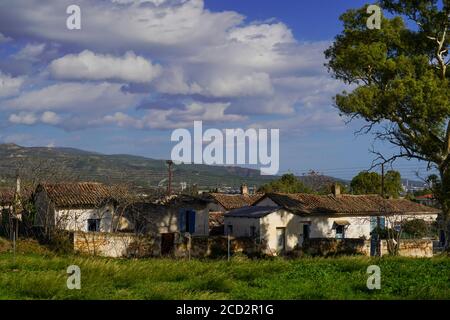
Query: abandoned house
x=285, y=221
x=85, y=206
x=222, y=203
x=170, y=214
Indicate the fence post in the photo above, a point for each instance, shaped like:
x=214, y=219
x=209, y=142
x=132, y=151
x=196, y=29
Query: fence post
x=188, y=235
x=229, y=246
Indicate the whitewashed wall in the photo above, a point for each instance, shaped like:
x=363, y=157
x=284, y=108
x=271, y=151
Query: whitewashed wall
x=320, y=226
x=77, y=219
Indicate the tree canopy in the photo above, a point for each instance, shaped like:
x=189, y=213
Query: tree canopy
x=370, y=183
x=288, y=183
x=400, y=81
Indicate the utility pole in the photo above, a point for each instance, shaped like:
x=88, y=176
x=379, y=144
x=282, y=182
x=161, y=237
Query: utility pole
x=169, y=185
x=17, y=213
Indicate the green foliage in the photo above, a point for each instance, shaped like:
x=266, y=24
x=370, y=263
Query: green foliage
x=417, y=228
x=370, y=183
x=401, y=81
x=44, y=277
x=366, y=183
x=60, y=242
x=288, y=183
x=392, y=184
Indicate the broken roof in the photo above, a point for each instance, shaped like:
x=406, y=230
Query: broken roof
x=81, y=194
x=347, y=204
x=235, y=201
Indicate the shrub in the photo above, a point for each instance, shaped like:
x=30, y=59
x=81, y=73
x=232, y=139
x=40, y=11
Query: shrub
x=60, y=242
x=417, y=228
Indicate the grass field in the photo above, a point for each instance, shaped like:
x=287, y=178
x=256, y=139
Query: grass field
x=40, y=274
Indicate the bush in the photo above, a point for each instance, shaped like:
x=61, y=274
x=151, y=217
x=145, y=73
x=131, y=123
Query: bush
x=60, y=242
x=417, y=228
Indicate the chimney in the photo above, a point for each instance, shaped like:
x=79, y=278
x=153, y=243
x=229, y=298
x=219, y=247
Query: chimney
x=336, y=189
x=244, y=189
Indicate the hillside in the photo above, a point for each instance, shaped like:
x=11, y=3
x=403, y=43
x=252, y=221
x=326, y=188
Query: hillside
x=77, y=165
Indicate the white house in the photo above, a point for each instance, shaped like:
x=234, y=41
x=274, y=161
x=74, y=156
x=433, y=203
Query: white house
x=284, y=221
x=222, y=203
x=83, y=206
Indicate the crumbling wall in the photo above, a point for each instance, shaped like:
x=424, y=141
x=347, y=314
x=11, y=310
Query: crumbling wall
x=215, y=247
x=327, y=247
x=103, y=244
x=416, y=248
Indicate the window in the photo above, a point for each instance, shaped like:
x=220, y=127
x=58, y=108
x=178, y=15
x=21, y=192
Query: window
x=340, y=232
x=374, y=223
x=93, y=225
x=186, y=222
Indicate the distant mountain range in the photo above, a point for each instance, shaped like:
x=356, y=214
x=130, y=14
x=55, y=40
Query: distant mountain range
x=68, y=164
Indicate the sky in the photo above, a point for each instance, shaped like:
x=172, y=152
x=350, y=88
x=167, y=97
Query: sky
x=139, y=69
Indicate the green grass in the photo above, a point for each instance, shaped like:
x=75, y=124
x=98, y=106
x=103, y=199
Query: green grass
x=43, y=276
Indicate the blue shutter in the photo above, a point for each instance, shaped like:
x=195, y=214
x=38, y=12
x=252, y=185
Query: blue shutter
x=373, y=223
x=191, y=221
x=182, y=220
x=382, y=222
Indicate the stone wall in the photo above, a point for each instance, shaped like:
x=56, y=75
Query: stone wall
x=416, y=248
x=327, y=247
x=113, y=244
x=215, y=247
x=130, y=245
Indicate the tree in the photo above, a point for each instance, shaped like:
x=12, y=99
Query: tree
x=401, y=82
x=366, y=183
x=370, y=183
x=393, y=184
x=288, y=183
x=417, y=228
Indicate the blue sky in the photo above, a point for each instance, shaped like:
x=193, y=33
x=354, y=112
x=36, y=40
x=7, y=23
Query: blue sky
x=139, y=69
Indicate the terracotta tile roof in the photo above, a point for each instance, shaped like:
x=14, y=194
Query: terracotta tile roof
x=347, y=204
x=235, y=201
x=84, y=194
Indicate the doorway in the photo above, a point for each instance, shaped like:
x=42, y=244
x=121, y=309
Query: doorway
x=167, y=243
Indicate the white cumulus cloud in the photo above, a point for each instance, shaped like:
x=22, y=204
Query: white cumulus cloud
x=88, y=65
x=10, y=86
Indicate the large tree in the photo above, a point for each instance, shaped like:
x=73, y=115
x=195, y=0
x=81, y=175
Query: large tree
x=400, y=81
x=371, y=183
x=288, y=183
